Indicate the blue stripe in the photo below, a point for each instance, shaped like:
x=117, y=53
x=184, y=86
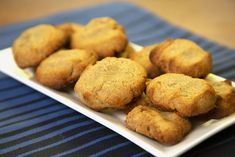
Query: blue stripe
x=205, y=43
x=179, y=34
x=41, y=128
x=70, y=138
x=47, y=136
x=133, y=24
x=224, y=59
x=8, y=97
x=101, y=139
x=215, y=48
x=152, y=26
x=55, y=106
x=23, y=100
x=24, y=108
x=159, y=33
x=122, y=15
x=209, y=46
x=230, y=76
x=222, y=53
x=127, y=19
x=139, y=154
x=138, y=34
x=5, y=80
x=34, y=121
x=3, y=76
x=223, y=67
x=11, y=87
x=5, y=84
x=110, y=149
x=195, y=39
x=158, y=36
x=15, y=90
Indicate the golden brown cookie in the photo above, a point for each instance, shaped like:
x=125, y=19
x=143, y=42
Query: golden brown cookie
x=142, y=58
x=182, y=56
x=141, y=100
x=225, y=104
x=127, y=52
x=165, y=127
x=184, y=94
x=36, y=43
x=111, y=83
x=102, y=35
x=69, y=29
x=64, y=67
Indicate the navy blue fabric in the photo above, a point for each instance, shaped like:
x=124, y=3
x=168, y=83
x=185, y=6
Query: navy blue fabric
x=31, y=124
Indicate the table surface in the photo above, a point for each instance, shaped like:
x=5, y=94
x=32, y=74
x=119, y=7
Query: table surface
x=213, y=19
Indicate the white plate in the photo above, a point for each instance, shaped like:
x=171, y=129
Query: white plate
x=115, y=121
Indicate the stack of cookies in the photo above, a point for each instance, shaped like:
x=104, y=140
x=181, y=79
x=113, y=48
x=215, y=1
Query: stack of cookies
x=160, y=87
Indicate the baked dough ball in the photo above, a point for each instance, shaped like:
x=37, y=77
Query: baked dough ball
x=102, y=35
x=225, y=104
x=111, y=83
x=36, y=43
x=127, y=52
x=182, y=56
x=165, y=127
x=141, y=100
x=69, y=29
x=184, y=94
x=64, y=67
x=142, y=58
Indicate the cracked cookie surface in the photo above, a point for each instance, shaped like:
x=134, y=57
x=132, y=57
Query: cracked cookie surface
x=142, y=58
x=165, y=127
x=37, y=43
x=127, y=52
x=182, y=56
x=69, y=29
x=102, y=35
x=64, y=67
x=184, y=94
x=225, y=103
x=111, y=83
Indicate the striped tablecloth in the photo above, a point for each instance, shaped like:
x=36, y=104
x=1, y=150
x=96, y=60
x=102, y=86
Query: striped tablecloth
x=32, y=124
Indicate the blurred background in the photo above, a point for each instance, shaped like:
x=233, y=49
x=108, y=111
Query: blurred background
x=213, y=19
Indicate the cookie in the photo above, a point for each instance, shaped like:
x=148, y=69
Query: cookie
x=225, y=104
x=127, y=52
x=142, y=58
x=182, y=56
x=102, y=35
x=184, y=94
x=165, y=127
x=141, y=100
x=69, y=29
x=64, y=67
x=37, y=43
x=111, y=83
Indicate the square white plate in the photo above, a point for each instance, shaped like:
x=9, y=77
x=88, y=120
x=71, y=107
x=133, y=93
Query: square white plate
x=115, y=121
